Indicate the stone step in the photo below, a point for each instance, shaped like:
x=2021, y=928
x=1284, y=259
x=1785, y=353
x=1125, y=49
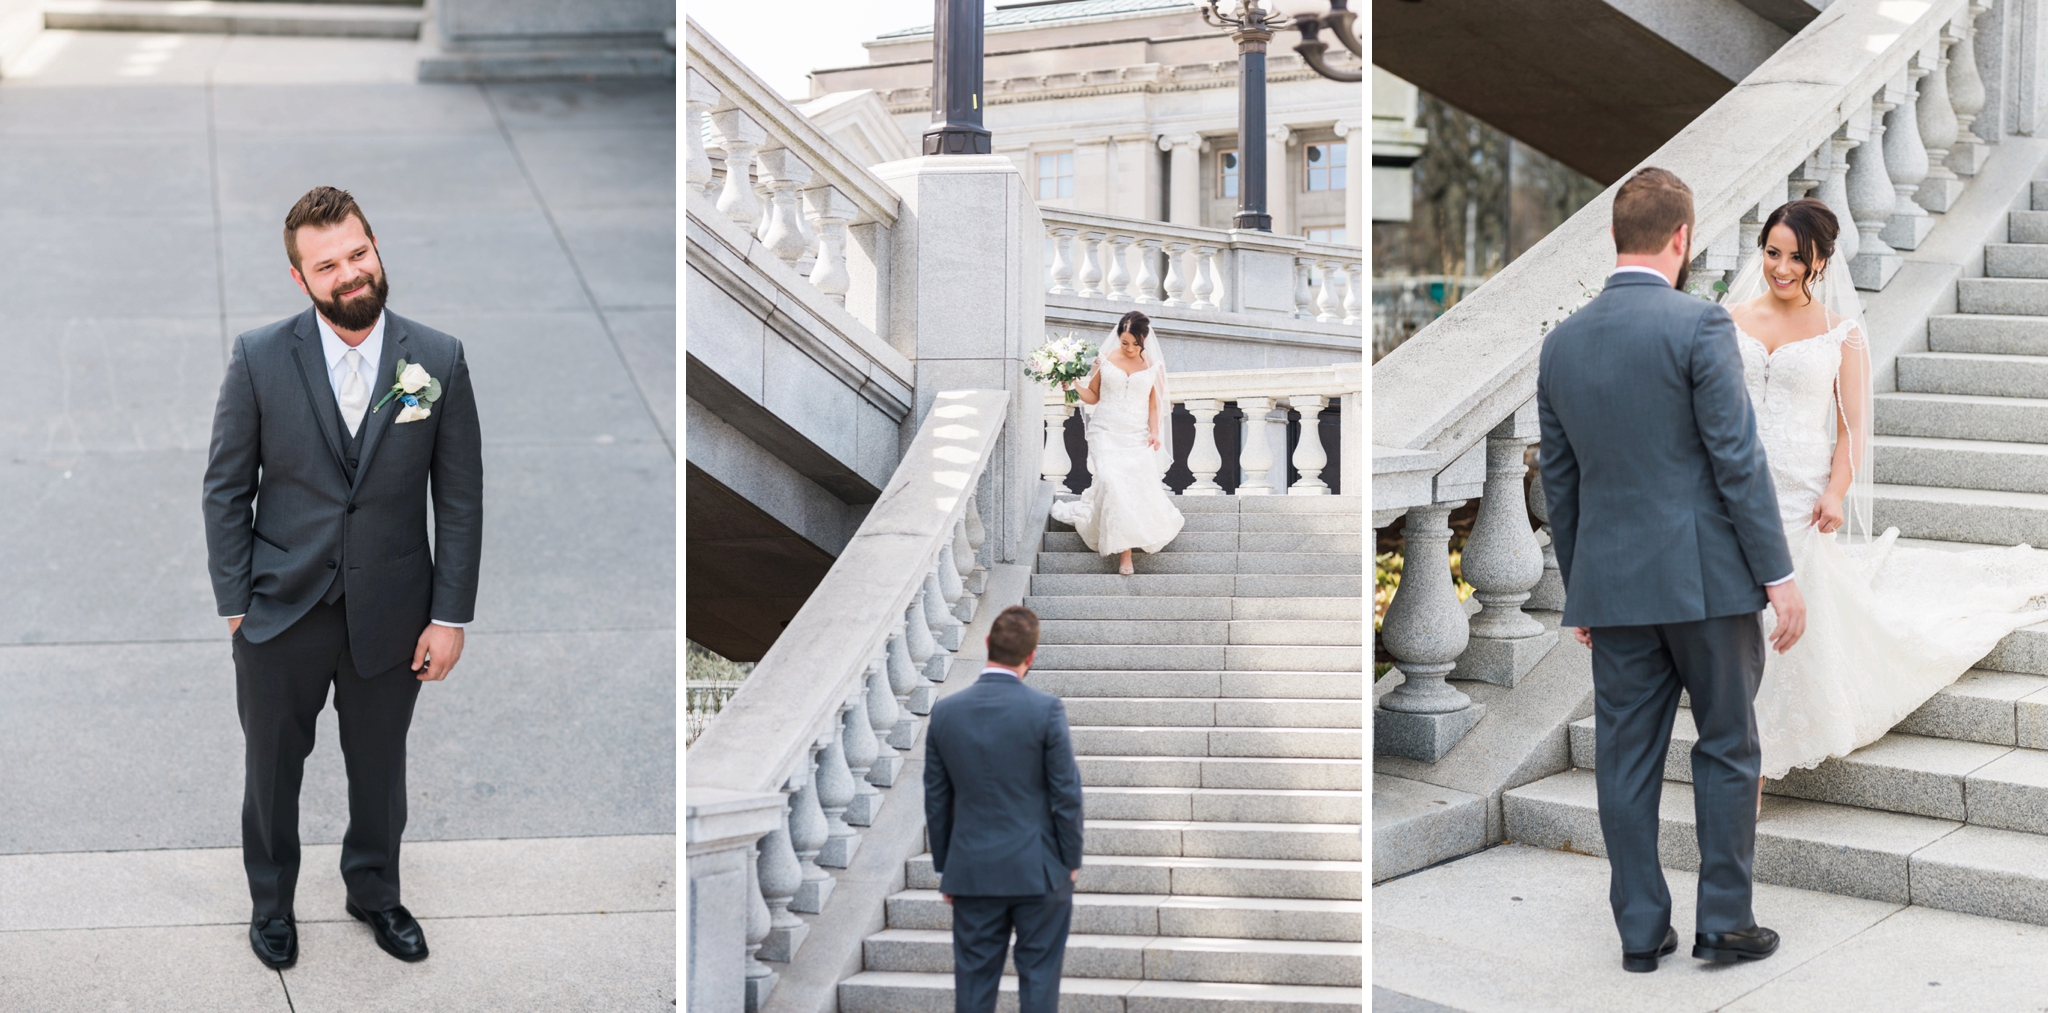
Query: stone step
x=1216, y=712
x=1974, y=373
x=1103, y=607
x=1963, y=417
x=1353, y=505
x=1331, y=842
x=2024, y=651
x=1155, y=958
x=1227, y=541
x=1220, y=772
x=1183, y=876
x=1223, y=805
x=1195, y=632
x=1884, y=856
x=1179, y=585
x=1205, y=562
x=332, y=20
x=1986, y=517
x=1963, y=464
x=2016, y=260
x=1203, y=657
x=901, y=992
x=1256, y=523
x=1998, y=708
x=2027, y=227
x=1168, y=740
x=1234, y=685
x=1989, y=333
x=1126, y=914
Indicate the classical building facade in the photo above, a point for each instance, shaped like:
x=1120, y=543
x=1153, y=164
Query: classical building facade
x=1129, y=108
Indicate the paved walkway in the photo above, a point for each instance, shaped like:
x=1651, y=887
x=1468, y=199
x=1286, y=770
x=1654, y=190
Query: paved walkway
x=1523, y=930
x=143, y=185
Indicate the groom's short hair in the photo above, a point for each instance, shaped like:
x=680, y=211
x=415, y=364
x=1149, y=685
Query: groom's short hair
x=1013, y=636
x=322, y=207
x=1648, y=209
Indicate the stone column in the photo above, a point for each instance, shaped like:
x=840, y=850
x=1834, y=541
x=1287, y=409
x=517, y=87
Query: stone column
x=1280, y=184
x=720, y=831
x=1329, y=305
x=946, y=627
x=883, y=713
x=1175, y=286
x=1054, y=464
x=1966, y=95
x=1205, y=278
x=697, y=102
x=1304, y=293
x=1354, y=183
x=903, y=683
x=977, y=536
x=1834, y=192
x=1255, y=453
x=1503, y=563
x=1871, y=198
x=1091, y=174
x=1062, y=261
x=836, y=791
x=1091, y=270
x=1184, y=194
x=1940, y=128
x=1203, y=459
x=1548, y=594
x=1118, y=282
x=963, y=563
x=829, y=211
x=1906, y=158
x=760, y=978
x=1425, y=629
x=808, y=832
x=781, y=875
x=1353, y=302
x=741, y=138
x=923, y=648
x=862, y=750
x=1309, y=455
x=1148, y=274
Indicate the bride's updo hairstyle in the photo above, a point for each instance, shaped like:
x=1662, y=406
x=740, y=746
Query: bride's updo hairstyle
x=1137, y=324
x=1815, y=229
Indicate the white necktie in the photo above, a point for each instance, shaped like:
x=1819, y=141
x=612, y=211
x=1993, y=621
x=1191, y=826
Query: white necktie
x=355, y=394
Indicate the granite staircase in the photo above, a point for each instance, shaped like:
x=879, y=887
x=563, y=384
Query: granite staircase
x=373, y=19
x=1214, y=698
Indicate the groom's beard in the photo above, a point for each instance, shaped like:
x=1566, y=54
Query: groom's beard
x=358, y=311
x=1684, y=273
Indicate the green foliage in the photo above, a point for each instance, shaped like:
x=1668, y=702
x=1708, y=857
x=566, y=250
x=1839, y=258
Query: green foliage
x=701, y=664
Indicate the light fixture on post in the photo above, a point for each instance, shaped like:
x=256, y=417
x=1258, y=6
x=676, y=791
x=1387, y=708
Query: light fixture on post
x=1252, y=26
x=1340, y=21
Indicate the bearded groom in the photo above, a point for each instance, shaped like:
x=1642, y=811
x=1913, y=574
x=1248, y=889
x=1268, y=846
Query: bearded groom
x=333, y=429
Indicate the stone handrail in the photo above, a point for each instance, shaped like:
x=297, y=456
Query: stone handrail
x=1867, y=109
x=1264, y=396
x=844, y=686
x=1182, y=266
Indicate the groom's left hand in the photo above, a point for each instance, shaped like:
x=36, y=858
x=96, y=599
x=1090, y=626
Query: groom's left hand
x=440, y=647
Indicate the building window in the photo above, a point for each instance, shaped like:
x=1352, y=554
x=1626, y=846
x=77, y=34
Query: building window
x=1331, y=235
x=1055, y=175
x=1326, y=166
x=1226, y=164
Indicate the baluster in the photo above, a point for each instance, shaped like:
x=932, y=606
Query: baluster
x=1870, y=204
x=781, y=873
x=1219, y=295
x=1255, y=453
x=862, y=750
x=1205, y=280
x=964, y=563
x=760, y=977
x=946, y=627
x=836, y=791
x=1053, y=464
x=923, y=648
x=1502, y=562
x=1119, y=275
x=1148, y=275
x=976, y=535
x=829, y=212
x=1062, y=262
x=1329, y=303
x=883, y=714
x=1309, y=455
x=1940, y=129
x=903, y=683
x=785, y=173
x=1304, y=293
x=1906, y=161
x=951, y=591
x=808, y=832
x=1352, y=303
x=1425, y=629
x=1549, y=591
x=1834, y=192
x=1175, y=286
x=1751, y=226
x=1091, y=270
x=698, y=100
x=741, y=137
x=1966, y=96
x=1203, y=458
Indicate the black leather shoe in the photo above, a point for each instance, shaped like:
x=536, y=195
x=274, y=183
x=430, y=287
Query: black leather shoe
x=1641, y=962
x=396, y=931
x=275, y=940
x=1753, y=943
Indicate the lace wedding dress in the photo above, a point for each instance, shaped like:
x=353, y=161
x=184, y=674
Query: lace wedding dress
x=1125, y=506
x=1887, y=626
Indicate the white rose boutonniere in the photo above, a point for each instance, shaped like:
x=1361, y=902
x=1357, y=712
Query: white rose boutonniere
x=415, y=389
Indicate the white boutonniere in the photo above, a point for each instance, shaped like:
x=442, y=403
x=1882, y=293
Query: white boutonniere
x=416, y=390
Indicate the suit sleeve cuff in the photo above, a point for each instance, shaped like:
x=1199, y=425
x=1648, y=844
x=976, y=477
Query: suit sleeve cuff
x=1781, y=580
x=244, y=615
x=444, y=622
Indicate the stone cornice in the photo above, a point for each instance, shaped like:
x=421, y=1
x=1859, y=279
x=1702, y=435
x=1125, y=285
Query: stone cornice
x=1149, y=78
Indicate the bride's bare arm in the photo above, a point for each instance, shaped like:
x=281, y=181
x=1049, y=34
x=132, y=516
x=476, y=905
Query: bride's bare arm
x=1852, y=432
x=1152, y=416
x=1090, y=388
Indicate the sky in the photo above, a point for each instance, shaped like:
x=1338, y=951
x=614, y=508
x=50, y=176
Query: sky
x=811, y=34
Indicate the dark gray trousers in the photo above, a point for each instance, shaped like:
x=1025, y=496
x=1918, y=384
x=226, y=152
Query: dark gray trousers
x=981, y=934
x=280, y=687
x=1637, y=674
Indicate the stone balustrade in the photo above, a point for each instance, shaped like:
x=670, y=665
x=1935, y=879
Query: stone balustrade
x=1272, y=404
x=781, y=782
x=1867, y=110
x=1137, y=264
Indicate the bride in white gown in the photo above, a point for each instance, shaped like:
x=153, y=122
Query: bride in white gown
x=1126, y=507
x=1886, y=626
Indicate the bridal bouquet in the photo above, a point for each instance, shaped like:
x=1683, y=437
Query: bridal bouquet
x=1060, y=361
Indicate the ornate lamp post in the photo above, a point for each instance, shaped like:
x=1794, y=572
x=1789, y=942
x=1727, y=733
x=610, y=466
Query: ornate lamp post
x=1252, y=27
x=956, y=81
x=1339, y=20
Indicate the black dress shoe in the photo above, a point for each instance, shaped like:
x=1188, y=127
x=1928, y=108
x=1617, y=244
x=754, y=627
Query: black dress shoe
x=1753, y=943
x=1641, y=962
x=396, y=931
x=275, y=940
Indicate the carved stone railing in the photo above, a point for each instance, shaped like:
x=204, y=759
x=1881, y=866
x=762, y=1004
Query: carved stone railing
x=1865, y=109
x=1272, y=402
x=1148, y=265
x=807, y=744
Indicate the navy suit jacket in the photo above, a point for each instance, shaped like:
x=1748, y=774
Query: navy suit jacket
x=1002, y=794
x=1661, y=503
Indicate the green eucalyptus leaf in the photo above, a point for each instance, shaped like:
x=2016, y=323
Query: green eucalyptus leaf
x=433, y=391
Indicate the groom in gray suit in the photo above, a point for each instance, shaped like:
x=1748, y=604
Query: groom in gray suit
x=334, y=429
x=1667, y=535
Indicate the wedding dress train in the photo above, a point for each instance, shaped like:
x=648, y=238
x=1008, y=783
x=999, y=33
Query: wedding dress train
x=1125, y=506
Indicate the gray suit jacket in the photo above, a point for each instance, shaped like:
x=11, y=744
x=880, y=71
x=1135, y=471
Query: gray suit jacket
x=1002, y=794
x=281, y=510
x=1661, y=504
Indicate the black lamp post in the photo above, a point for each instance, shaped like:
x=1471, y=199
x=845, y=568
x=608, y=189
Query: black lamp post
x=956, y=81
x=1253, y=27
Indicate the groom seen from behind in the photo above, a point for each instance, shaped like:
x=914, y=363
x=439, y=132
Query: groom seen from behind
x=333, y=430
x=1668, y=538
